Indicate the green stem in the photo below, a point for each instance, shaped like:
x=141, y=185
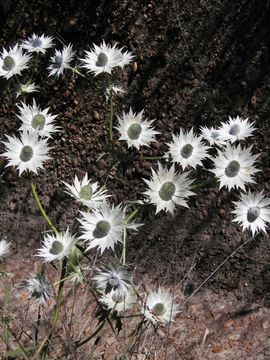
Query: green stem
x=6, y=308
x=111, y=117
x=44, y=345
x=59, y=296
x=152, y=157
x=204, y=184
x=128, y=219
x=19, y=344
x=84, y=341
x=41, y=209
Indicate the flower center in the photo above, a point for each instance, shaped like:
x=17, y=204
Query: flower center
x=186, y=151
x=167, y=191
x=58, y=61
x=232, y=169
x=117, y=297
x=235, y=130
x=9, y=63
x=102, y=229
x=38, y=122
x=36, y=42
x=159, y=309
x=214, y=135
x=114, y=281
x=86, y=192
x=134, y=131
x=102, y=60
x=253, y=213
x=57, y=248
x=26, y=153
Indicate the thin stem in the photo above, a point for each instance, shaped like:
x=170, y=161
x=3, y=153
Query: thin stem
x=6, y=308
x=123, y=257
x=59, y=296
x=19, y=344
x=128, y=219
x=34, y=67
x=152, y=157
x=38, y=324
x=41, y=209
x=43, y=346
x=213, y=273
x=204, y=184
x=84, y=341
x=111, y=117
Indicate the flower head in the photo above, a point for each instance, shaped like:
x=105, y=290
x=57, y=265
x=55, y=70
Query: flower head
x=87, y=193
x=13, y=62
x=236, y=129
x=234, y=166
x=187, y=149
x=27, y=88
x=212, y=136
x=36, y=120
x=114, y=277
x=4, y=247
x=135, y=130
x=159, y=306
x=104, y=226
x=104, y=58
x=116, y=89
x=38, y=44
x=252, y=211
x=27, y=153
x=56, y=247
x=39, y=288
x=118, y=300
x=61, y=60
x=168, y=188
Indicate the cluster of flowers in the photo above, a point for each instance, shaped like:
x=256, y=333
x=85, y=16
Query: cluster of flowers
x=103, y=224
x=99, y=59
x=234, y=165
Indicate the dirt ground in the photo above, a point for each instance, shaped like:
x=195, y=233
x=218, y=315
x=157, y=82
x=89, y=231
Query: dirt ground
x=197, y=62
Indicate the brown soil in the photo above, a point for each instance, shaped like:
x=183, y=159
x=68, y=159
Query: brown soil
x=197, y=62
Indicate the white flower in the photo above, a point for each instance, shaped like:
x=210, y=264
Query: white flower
x=36, y=120
x=252, y=211
x=13, y=62
x=38, y=44
x=236, y=129
x=27, y=88
x=39, y=288
x=187, y=149
x=104, y=226
x=113, y=89
x=104, y=58
x=87, y=193
x=4, y=247
x=126, y=58
x=234, y=166
x=114, y=277
x=56, y=247
x=118, y=300
x=135, y=130
x=212, y=136
x=27, y=153
x=61, y=60
x=168, y=188
x=160, y=306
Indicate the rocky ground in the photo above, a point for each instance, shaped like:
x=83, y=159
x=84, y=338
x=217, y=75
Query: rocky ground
x=197, y=62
